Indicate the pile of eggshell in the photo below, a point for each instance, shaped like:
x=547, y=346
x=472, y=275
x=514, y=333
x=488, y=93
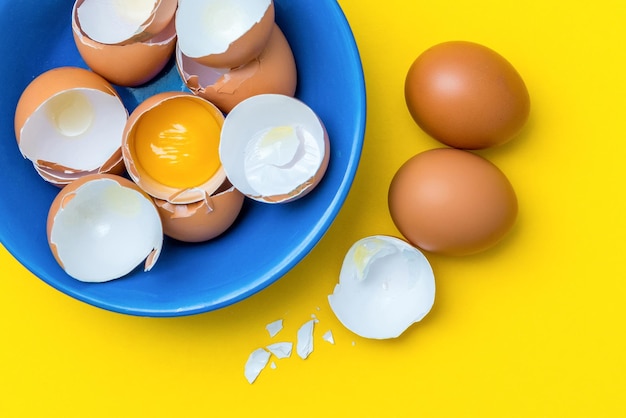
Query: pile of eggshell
x=72, y=125
x=450, y=200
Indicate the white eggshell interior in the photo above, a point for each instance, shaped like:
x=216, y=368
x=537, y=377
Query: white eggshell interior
x=78, y=128
x=114, y=21
x=385, y=285
x=189, y=67
x=105, y=231
x=207, y=27
x=271, y=144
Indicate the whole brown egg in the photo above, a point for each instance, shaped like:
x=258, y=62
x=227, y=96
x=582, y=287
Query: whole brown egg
x=466, y=95
x=451, y=202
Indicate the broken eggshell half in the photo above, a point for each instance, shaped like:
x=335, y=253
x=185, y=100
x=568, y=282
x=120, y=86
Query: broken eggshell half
x=273, y=71
x=224, y=33
x=123, y=22
x=385, y=286
x=69, y=123
x=101, y=227
x=203, y=220
x=130, y=64
x=274, y=148
x=166, y=115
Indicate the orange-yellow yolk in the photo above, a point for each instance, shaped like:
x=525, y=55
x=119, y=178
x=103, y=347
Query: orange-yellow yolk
x=176, y=143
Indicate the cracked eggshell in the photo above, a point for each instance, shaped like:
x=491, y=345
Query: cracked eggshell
x=131, y=64
x=124, y=22
x=101, y=227
x=203, y=220
x=274, y=148
x=69, y=123
x=273, y=71
x=224, y=33
x=385, y=286
x=155, y=188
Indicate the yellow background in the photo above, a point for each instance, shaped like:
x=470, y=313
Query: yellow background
x=533, y=328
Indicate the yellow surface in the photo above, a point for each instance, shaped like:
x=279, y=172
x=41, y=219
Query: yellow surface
x=533, y=328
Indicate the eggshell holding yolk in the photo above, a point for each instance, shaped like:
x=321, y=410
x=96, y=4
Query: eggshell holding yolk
x=466, y=95
x=273, y=71
x=248, y=47
x=452, y=202
x=130, y=64
x=151, y=186
x=203, y=220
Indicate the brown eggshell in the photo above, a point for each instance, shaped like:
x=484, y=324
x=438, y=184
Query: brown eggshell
x=147, y=183
x=203, y=220
x=248, y=47
x=52, y=82
x=452, y=202
x=466, y=95
x=274, y=71
x=68, y=193
x=130, y=64
x=61, y=176
x=162, y=14
x=49, y=84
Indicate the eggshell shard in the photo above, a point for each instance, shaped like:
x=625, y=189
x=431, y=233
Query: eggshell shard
x=101, y=227
x=385, y=286
x=466, y=95
x=69, y=122
x=121, y=22
x=224, y=33
x=274, y=148
x=273, y=71
x=203, y=220
x=138, y=173
x=131, y=64
x=452, y=202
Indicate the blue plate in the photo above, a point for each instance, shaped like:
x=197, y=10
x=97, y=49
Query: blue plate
x=265, y=242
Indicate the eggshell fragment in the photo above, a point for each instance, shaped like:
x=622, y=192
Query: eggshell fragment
x=273, y=71
x=224, y=33
x=304, y=343
x=69, y=122
x=385, y=286
x=202, y=220
x=453, y=202
x=138, y=173
x=255, y=364
x=101, y=227
x=274, y=148
x=130, y=64
x=121, y=22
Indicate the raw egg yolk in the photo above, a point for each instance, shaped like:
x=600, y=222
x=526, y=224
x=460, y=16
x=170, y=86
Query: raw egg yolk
x=177, y=143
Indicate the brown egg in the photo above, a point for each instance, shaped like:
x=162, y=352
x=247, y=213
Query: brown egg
x=274, y=71
x=203, y=220
x=130, y=64
x=466, y=95
x=452, y=202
